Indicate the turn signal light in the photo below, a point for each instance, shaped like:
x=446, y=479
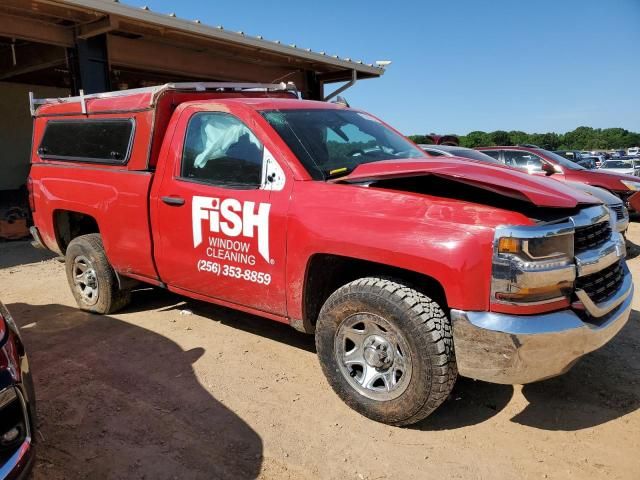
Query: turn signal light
x=509, y=245
x=537, y=294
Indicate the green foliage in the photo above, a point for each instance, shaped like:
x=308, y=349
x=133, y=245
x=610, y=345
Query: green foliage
x=582, y=138
x=500, y=137
x=476, y=139
x=420, y=139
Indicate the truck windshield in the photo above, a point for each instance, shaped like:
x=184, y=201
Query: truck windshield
x=332, y=142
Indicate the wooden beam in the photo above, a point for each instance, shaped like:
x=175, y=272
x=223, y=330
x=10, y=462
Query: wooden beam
x=340, y=76
x=32, y=68
x=142, y=54
x=34, y=31
x=104, y=25
x=31, y=57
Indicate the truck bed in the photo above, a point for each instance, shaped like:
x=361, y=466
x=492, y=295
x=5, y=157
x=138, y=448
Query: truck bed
x=108, y=195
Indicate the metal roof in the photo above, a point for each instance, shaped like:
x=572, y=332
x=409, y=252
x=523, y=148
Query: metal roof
x=195, y=27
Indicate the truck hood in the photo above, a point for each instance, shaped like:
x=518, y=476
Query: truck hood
x=539, y=191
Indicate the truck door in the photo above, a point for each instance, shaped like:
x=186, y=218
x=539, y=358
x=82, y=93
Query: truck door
x=219, y=212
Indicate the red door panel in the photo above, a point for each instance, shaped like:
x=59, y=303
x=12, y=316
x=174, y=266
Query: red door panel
x=225, y=242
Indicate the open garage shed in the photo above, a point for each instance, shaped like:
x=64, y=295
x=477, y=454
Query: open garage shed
x=56, y=48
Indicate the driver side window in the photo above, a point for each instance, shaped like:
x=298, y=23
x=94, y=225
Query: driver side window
x=221, y=150
x=523, y=160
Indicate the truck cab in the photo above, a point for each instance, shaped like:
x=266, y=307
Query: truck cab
x=409, y=270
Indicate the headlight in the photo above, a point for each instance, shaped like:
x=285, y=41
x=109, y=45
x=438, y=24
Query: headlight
x=546, y=248
x=635, y=186
x=534, y=267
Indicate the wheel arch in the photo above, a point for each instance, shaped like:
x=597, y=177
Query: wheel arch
x=325, y=273
x=69, y=224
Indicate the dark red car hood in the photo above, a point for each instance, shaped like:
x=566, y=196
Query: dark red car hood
x=505, y=181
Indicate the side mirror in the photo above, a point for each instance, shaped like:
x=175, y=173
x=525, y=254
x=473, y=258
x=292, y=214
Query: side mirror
x=548, y=169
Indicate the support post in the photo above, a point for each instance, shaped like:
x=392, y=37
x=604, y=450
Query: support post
x=92, y=61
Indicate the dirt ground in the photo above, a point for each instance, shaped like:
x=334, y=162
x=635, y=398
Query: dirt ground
x=153, y=393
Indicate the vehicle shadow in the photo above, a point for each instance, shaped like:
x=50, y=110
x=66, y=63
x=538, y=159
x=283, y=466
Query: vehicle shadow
x=471, y=402
x=147, y=299
x=118, y=401
x=20, y=252
x=602, y=387
x=633, y=250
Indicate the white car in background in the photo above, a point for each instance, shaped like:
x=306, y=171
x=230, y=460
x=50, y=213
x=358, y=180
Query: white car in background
x=625, y=166
x=633, y=151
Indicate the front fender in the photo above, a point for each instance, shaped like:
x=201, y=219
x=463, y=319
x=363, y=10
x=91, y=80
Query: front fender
x=449, y=242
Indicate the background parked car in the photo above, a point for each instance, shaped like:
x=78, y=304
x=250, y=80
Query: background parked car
x=544, y=162
x=586, y=159
x=589, y=162
x=627, y=166
x=449, y=151
x=598, y=158
x=569, y=154
x=614, y=203
x=17, y=402
x=633, y=151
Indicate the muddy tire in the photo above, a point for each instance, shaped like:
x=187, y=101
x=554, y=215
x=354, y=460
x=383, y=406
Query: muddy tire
x=91, y=277
x=386, y=350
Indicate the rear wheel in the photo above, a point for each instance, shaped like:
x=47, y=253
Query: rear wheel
x=386, y=350
x=92, y=279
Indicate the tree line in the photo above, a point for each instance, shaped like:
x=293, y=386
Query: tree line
x=582, y=138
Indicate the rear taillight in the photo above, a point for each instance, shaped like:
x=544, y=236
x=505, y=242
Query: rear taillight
x=32, y=203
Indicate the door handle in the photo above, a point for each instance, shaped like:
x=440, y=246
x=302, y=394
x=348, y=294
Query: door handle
x=173, y=201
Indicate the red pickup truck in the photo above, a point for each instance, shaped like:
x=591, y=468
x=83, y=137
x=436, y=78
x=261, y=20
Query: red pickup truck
x=408, y=269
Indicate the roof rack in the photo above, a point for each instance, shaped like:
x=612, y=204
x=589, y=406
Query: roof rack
x=157, y=90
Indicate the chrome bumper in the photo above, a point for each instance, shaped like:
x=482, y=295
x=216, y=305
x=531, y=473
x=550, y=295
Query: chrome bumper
x=517, y=349
x=622, y=225
x=37, y=239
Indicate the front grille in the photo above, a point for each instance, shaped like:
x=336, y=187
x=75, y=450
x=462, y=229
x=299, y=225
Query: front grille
x=602, y=285
x=619, y=209
x=591, y=236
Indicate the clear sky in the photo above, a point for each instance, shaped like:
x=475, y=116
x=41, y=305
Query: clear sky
x=464, y=65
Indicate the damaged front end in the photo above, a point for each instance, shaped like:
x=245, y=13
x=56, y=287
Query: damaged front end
x=560, y=287
x=558, y=292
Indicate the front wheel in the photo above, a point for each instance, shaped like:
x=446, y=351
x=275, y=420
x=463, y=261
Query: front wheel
x=92, y=279
x=387, y=350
